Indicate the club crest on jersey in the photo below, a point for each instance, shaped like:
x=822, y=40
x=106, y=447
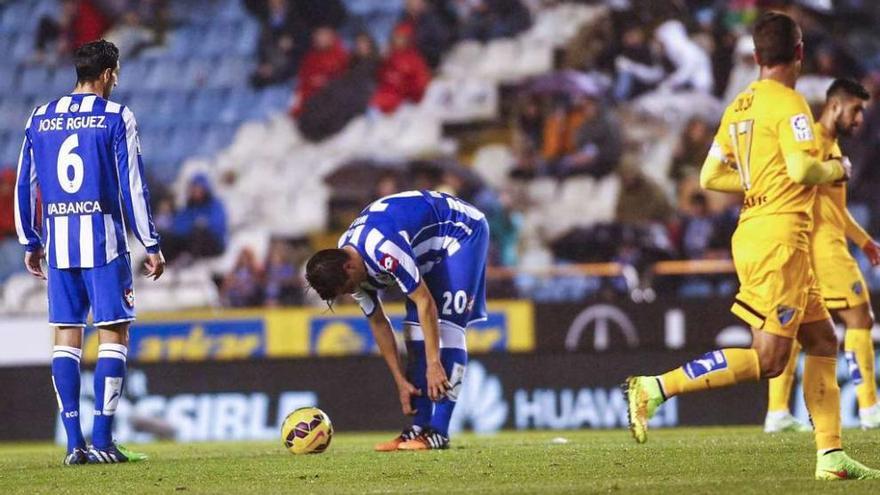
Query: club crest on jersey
x=707, y=363
x=857, y=288
x=388, y=263
x=784, y=314
x=128, y=296
x=800, y=125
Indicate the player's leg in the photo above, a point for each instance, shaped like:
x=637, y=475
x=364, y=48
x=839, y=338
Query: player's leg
x=779, y=417
x=110, y=290
x=858, y=347
x=68, y=313
x=822, y=393
x=416, y=369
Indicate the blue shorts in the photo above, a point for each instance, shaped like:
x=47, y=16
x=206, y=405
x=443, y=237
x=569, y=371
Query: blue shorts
x=107, y=290
x=458, y=283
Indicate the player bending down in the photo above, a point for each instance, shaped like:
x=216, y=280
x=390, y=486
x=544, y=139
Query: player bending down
x=765, y=146
x=81, y=153
x=840, y=280
x=434, y=246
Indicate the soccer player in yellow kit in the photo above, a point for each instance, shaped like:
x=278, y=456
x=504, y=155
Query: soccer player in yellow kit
x=840, y=280
x=765, y=147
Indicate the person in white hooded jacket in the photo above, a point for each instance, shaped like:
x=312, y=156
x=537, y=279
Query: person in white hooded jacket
x=693, y=68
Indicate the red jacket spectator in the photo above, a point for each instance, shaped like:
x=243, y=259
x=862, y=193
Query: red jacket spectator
x=404, y=75
x=325, y=61
x=7, y=193
x=89, y=23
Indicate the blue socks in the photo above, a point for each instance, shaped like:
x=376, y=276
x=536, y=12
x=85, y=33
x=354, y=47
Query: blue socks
x=454, y=362
x=109, y=376
x=430, y=414
x=66, y=380
x=415, y=373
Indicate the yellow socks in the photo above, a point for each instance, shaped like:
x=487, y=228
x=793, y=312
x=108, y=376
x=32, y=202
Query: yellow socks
x=822, y=395
x=714, y=369
x=780, y=387
x=859, y=349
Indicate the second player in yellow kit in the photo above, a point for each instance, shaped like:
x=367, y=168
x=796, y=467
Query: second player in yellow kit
x=843, y=288
x=765, y=147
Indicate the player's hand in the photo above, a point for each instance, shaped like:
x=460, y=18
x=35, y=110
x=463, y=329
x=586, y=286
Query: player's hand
x=154, y=265
x=33, y=261
x=872, y=251
x=847, y=168
x=406, y=391
x=438, y=383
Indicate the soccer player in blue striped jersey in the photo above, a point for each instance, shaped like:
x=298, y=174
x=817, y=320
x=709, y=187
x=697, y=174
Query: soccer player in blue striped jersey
x=82, y=157
x=434, y=247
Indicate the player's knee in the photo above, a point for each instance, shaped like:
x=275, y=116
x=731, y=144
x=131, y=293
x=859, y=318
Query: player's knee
x=771, y=366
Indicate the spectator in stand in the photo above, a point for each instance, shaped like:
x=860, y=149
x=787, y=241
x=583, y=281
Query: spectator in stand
x=326, y=60
x=691, y=150
x=345, y=97
x=641, y=201
x=432, y=38
x=528, y=163
x=486, y=20
x=692, y=66
x=597, y=145
x=7, y=193
x=242, y=287
x=560, y=128
x=130, y=35
x=199, y=230
x=78, y=22
x=283, y=281
x=404, y=75
x=637, y=69
x=698, y=228
x=744, y=70
x=283, y=40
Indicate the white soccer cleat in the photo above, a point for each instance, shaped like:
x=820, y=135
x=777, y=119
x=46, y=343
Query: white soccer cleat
x=870, y=417
x=783, y=422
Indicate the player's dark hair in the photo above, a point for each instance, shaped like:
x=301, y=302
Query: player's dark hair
x=93, y=58
x=325, y=272
x=776, y=37
x=847, y=87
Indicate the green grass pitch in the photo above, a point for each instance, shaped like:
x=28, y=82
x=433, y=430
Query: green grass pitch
x=684, y=461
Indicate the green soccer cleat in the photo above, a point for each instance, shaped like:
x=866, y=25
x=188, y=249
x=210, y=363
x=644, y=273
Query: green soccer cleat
x=643, y=397
x=114, y=454
x=837, y=466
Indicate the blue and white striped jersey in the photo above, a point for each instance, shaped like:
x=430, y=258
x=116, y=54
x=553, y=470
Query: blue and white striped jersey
x=82, y=153
x=403, y=236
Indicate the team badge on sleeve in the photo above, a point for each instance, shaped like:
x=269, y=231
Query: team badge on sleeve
x=388, y=263
x=800, y=125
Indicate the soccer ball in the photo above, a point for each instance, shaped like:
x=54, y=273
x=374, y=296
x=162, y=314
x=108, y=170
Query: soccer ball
x=307, y=430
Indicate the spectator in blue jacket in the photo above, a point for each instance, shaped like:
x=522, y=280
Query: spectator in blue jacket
x=198, y=230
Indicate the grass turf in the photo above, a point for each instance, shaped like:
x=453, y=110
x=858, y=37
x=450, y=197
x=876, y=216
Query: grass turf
x=683, y=461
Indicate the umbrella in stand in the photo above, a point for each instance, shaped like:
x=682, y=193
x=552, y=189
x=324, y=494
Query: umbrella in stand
x=569, y=82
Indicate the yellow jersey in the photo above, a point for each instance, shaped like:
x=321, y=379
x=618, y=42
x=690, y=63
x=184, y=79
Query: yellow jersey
x=759, y=128
x=832, y=221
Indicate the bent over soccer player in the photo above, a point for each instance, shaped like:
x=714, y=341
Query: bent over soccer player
x=434, y=246
x=81, y=152
x=843, y=287
x=765, y=147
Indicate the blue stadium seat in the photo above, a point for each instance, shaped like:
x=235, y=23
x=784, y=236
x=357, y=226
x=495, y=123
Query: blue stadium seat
x=34, y=80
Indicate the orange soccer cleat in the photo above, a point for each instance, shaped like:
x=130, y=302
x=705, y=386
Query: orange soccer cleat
x=393, y=445
x=427, y=440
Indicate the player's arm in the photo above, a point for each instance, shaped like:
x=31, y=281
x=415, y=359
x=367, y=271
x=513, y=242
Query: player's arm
x=25, y=206
x=438, y=383
x=862, y=239
x=801, y=150
x=380, y=325
x=718, y=173
x=135, y=195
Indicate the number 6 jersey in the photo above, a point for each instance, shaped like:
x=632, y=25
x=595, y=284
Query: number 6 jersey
x=82, y=153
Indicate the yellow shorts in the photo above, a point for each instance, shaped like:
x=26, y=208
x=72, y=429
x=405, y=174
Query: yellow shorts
x=778, y=291
x=840, y=280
